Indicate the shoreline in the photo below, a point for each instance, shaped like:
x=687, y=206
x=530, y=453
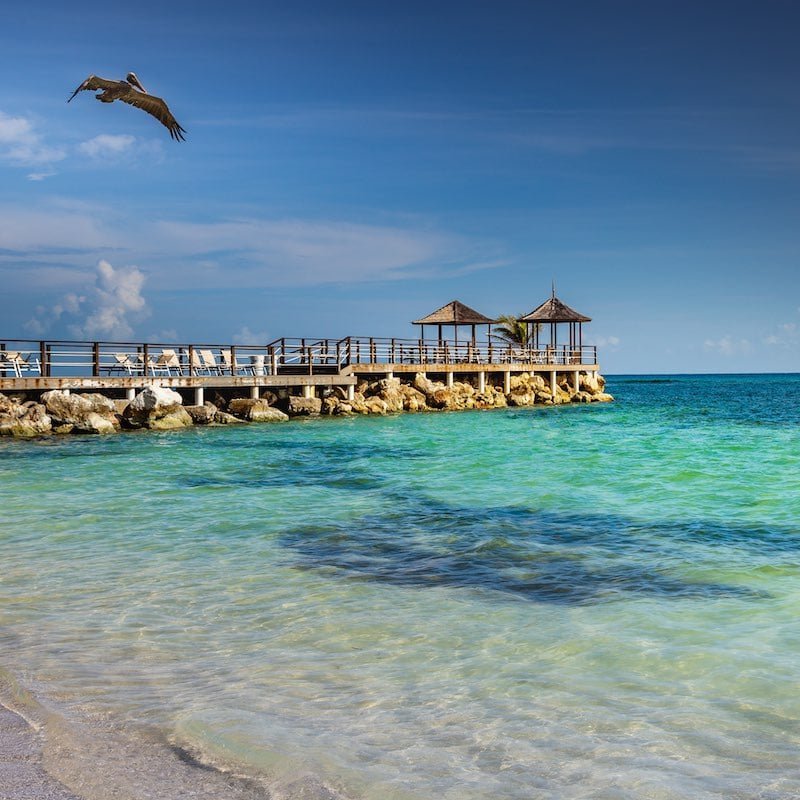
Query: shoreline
x=22, y=762
x=48, y=755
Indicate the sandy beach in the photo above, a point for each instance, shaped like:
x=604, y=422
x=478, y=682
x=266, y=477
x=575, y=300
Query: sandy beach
x=22, y=774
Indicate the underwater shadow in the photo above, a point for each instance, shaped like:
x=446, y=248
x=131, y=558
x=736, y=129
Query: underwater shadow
x=527, y=555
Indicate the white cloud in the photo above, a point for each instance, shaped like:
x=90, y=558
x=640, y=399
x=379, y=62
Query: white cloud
x=245, y=336
x=21, y=145
x=729, y=346
x=106, y=309
x=106, y=145
x=788, y=335
x=53, y=244
x=607, y=341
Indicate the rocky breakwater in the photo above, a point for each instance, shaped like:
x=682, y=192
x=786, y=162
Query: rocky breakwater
x=391, y=395
x=154, y=408
x=159, y=408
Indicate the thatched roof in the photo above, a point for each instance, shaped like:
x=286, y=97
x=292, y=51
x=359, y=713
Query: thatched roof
x=454, y=313
x=553, y=310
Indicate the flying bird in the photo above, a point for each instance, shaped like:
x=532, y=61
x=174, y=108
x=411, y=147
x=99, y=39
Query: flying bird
x=132, y=92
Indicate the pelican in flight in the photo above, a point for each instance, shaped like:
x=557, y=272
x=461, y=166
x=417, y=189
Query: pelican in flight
x=132, y=92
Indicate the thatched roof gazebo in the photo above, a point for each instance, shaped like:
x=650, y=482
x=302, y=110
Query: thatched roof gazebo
x=453, y=315
x=554, y=311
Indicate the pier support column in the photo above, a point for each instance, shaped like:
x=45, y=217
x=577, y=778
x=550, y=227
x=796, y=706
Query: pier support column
x=308, y=392
x=481, y=382
x=351, y=392
x=576, y=377
x=198, y=396
x=130, y=394
x=449, y=380
x=553, y=384
x=255, y=393
x=507, y=382
x=389, y=375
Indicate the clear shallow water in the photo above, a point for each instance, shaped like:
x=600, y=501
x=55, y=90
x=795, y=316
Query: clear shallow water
x=576, y=602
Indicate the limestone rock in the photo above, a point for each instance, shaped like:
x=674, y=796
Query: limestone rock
x=423, y=384
x=202, y=415
x=157, y=408
x=602, y=397
x=517, y=399
x=376, y=405
x=23, y=420
x=85, y=413
x=330, y=405
x=223, y=418
x=304, y=406
x=253, y=410
x=390, y=392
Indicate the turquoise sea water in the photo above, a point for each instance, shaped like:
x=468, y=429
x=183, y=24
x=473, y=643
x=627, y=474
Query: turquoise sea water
x=593, y=601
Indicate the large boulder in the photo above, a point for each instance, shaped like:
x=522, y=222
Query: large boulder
x=157, y=408
x=591, y=382
x=413, y=399
x=389, y=390
x=81, y=413
x=424, y=384
x=376, y=405
x=304, y=406
x=202, y=415
x=23, y=419
x=252, y=410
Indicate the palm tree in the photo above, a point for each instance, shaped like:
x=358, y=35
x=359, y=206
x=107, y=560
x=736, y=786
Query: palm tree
x=511, y=330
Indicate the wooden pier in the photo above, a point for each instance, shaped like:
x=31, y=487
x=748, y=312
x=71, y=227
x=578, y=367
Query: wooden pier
x=303, y=366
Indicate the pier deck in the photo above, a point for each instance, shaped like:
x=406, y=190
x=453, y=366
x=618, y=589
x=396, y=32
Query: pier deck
x=306, y=364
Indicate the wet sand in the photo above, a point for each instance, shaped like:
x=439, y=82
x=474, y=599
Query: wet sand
x=22, y=776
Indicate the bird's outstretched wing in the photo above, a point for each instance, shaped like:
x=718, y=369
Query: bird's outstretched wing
x=92, y=83
x=157, y=108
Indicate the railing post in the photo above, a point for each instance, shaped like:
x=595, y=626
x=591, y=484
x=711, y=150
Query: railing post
x=393, y=355
x=146, y=359
x=233, y=359
x=372, y=356
x=191, y=361
x=96, y=359
x=45, y=364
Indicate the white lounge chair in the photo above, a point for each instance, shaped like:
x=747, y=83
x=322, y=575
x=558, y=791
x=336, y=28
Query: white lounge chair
x=208, y=362
x=228, y=367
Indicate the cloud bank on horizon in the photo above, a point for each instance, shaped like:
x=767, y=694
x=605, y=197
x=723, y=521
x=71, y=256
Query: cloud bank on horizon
x=352, y=168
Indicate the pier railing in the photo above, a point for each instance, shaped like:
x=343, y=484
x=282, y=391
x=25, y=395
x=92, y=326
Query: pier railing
x=22, y=358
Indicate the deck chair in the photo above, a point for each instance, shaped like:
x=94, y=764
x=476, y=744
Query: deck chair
x=9, y=363
x=123, y=363
x=231, y=368
x=193, y=359
x=208, y=362
x=17, y=363
x=170, y=361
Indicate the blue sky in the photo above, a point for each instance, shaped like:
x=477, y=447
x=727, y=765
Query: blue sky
x=352, y=166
